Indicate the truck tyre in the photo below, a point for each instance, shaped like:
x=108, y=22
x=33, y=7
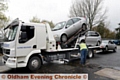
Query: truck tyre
x=90, y=54
x=34, y=63
x=63, y=38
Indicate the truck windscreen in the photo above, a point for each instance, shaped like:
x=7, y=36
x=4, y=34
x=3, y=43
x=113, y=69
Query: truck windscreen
x=11, y=33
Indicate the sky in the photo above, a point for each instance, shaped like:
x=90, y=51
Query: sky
x=56, y=10
x=52, y=10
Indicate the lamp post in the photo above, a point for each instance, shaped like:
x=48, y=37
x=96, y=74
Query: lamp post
x=118, y=33
x=119, y=28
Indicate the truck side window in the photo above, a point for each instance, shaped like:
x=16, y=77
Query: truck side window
x=27, y=33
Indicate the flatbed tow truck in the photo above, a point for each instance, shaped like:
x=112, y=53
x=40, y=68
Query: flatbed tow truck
x=31, y=44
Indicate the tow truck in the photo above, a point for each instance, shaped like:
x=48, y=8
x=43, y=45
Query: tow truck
x=31, y=44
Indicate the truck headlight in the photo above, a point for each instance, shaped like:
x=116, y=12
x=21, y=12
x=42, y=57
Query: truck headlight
x=56, y=35
x=11, y=60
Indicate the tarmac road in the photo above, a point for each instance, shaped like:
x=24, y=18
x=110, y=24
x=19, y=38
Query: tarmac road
x=100, y=61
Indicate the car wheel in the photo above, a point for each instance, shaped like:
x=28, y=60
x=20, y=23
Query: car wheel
x=106, y=48
x=114, y=50
x=34, y=63
x=84, y=27
x=98, y=43
x=90, y=54
x=63, y=38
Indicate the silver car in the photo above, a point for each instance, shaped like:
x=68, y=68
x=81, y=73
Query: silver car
x=108, y=45
x=64, y=30
x=92, y=38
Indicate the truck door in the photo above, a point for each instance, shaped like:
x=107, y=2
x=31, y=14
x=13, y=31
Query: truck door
x=26, y=41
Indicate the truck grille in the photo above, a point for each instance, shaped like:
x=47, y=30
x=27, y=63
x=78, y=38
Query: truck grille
x=6, y=51
x=5, y=57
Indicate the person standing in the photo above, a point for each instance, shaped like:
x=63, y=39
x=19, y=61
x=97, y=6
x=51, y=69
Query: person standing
x=83, y=52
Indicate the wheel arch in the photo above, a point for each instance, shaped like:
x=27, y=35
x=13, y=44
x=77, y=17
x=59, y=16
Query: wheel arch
x=98, y=41
x=62, y=35
x=84, y=24
x=34, y=53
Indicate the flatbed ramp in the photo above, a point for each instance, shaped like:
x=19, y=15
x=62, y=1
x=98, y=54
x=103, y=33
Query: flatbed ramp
x=72, y=40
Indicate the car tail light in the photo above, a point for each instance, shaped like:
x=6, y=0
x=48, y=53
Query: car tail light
x=101, y=47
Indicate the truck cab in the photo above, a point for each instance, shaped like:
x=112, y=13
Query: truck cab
x=22, y=40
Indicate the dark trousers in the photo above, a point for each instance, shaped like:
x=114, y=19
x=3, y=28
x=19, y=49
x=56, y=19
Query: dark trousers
x=83, y=56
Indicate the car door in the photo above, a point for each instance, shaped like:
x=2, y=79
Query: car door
x=110, y=45
x=77, y=23
x=69, y=28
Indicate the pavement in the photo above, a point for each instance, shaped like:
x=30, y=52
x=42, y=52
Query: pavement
x=3, y=68
x=110, y=73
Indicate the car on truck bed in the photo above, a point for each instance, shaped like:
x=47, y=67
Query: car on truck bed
x=65, y=29
x=92, y=38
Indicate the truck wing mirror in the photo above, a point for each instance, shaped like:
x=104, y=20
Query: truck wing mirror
x=23, y=37
x=23, y=28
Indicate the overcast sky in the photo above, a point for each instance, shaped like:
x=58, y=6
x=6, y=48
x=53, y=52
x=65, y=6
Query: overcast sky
x=56, y=10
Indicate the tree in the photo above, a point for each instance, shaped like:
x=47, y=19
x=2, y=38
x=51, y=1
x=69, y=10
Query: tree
x=118, y=32
x=3, y=18
x=104, y=31
x=91, y=9
x=49, y=22
x=35, y=19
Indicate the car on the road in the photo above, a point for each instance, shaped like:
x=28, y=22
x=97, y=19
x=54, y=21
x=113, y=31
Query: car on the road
x=65, y=29
x=92, y=38
x=108, y=45
x=117, y=42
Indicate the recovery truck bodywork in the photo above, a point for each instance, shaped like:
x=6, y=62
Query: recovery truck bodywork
x=31, y=44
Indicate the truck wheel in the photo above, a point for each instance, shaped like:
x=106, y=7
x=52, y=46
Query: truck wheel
x=64, y=38
x=90, y=54
x=34, y=63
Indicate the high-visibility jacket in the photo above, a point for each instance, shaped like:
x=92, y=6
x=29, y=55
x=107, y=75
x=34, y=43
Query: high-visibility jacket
x=83, y=46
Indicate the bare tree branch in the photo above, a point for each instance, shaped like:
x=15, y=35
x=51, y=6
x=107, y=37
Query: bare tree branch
x=91, y=9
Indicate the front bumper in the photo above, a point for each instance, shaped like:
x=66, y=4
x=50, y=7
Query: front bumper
x=10, y=62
